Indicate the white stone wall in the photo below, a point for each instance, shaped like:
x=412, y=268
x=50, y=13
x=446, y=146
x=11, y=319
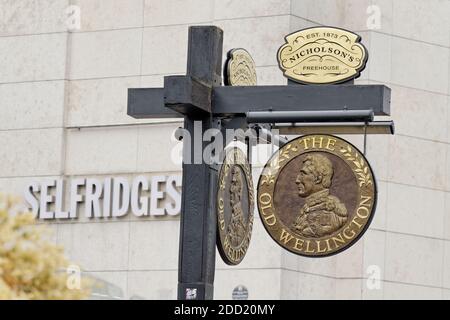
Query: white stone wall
x=63, y=102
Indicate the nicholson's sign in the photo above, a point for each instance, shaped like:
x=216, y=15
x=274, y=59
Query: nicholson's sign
x=322, y=55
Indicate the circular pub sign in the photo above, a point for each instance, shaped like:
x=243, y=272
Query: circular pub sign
x=235, y=206
x=316, y=195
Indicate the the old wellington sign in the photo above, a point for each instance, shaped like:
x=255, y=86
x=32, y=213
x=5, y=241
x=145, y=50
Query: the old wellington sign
x=235, y=204
x=322, y=55
x=316, y=195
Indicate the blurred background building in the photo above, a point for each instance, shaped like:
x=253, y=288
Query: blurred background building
x=63, y=100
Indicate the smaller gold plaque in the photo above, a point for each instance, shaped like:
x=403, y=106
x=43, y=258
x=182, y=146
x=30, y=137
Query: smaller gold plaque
x=322, y=55
x=240, y=68
x=235, y=205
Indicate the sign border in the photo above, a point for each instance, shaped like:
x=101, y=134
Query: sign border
x=231, y=153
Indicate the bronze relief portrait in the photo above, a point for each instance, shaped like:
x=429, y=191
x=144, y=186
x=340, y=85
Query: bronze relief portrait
x=234, y=206
x=316, y=195
x=322, y=213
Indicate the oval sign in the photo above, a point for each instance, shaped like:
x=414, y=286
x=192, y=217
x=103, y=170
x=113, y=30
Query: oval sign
x=235, y=204
x=240, y=68
x=322, y=55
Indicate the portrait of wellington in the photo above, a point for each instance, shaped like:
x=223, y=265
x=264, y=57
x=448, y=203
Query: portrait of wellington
x=323, y=213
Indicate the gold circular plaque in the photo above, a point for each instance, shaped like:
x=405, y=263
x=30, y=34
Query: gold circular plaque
x=235, y=206
x=317, y=195
x=240, y=68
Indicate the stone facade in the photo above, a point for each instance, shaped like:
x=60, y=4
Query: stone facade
x=63, y=99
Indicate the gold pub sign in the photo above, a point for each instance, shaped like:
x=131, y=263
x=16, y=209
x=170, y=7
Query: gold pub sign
x=240, y=68
x=322, y=55
x=317, y=195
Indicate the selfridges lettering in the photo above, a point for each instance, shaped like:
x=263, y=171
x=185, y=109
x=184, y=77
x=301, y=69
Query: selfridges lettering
x=111, y=197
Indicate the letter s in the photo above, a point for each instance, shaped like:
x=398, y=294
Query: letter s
x=30, y=198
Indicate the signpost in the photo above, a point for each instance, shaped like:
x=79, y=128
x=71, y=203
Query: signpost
x=199, y=96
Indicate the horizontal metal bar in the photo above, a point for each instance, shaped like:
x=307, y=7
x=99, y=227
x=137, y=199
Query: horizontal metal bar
x=309, y=116
x=148, y=103
x=272, y=138
x=187, y=95
x=121, y=125
x=375, y=127
x=231, y=100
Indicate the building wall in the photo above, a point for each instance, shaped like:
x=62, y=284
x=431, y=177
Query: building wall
x=63, y=98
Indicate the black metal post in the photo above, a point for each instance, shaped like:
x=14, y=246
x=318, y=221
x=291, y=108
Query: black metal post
x=198, y=220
